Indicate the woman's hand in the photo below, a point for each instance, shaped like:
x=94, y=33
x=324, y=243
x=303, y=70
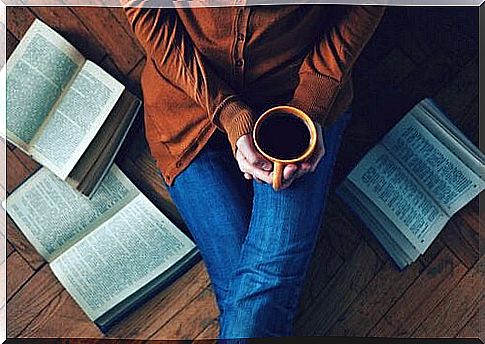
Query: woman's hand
x=251, y=162
x=255, y=166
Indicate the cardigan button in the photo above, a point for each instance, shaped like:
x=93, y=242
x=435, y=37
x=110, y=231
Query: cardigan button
x=239, y=63
x=178, y=164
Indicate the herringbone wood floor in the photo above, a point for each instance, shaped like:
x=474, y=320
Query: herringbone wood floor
x=353, y=288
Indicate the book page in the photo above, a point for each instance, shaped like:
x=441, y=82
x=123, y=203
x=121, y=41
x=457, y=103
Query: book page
x=53, y=216
x=38, y=71
x=74, y=123
x=395, y=243
x=119, y=257
x=445, y=177
x=436, y=121
x=399, y=197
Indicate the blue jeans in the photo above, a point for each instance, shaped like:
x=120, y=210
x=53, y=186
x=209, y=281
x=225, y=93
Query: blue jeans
x=256, y=243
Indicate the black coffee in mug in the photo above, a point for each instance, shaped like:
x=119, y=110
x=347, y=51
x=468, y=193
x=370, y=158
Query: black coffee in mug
x=283, y=136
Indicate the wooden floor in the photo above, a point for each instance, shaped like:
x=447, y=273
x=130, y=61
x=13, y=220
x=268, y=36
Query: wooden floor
x=353, y=288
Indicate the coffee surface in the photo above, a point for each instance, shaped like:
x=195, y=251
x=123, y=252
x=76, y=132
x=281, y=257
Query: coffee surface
x=283, y=136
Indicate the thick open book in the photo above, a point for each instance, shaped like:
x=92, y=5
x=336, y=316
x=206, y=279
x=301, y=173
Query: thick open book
x=410, y=184
x=112, y=251
x=64, y=111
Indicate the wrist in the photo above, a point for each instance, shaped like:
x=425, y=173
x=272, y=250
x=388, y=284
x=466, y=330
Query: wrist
x=315, y=95
x=236, y=119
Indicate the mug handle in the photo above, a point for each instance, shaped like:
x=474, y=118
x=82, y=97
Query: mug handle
x=277, y=175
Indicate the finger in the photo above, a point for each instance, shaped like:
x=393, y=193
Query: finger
x=255, y=173
x=287, y=183
x=264, y=176
x=248, y=176
x=316, y=161
x=289, y=171
x=243, y=164
x=258, y=180
x=255, y=158
x=305, y=167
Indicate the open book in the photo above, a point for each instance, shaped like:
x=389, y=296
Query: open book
x=110, y=252
x=63, y=110
x=410, y=184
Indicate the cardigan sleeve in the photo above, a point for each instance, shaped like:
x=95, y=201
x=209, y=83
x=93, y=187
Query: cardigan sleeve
x=328, y=64
x=166, y=42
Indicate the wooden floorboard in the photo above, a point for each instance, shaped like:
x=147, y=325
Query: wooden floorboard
x=120, y=45
x=17, y=173
x=210, y=332
x=471, y=328
x=342, y=235
x=22, y=245
x=18, y=272
x=420, y=299
x=352, y=286
x=370, y=306
x=63, y=20
x=9, y=249
x=11, y=43
x=19, y=20
x=30, y=165
x=192, y=319
x=147, y=320
x=62, y=312
x=340, y=292
x=323, y=267
x=457, y=308
x=459, y=236
x=30, y=300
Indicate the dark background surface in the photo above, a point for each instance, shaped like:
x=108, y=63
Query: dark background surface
x=353, y=288
x=416, y=52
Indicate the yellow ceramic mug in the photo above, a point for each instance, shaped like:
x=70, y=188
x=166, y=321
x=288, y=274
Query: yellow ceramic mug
x=284, y=135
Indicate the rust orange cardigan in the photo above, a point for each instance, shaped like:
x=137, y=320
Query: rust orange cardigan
x=220, y=67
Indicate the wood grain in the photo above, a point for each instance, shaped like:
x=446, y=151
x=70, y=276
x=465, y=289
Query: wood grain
x=119, y=14
x=23, y=246
x=210, y=332
x=352, y=287
x=11, y=43
x=421, y=297
x=29, y=301
x=63, y=21
x=457, y=94
x=457, y=308
x=62, y=312
x=340, y=292
x=426, y=81
x=9, y=249
x=432, y=252
x=375, y=300
x=146, y=320
x=190, y=321
x=338, y=230
x=18, y=273
x=27, y=161
x=470, y=330
x=459, y=236
x=324, y=265
x=121, y=46
x=19, y=20
x=17, y=173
